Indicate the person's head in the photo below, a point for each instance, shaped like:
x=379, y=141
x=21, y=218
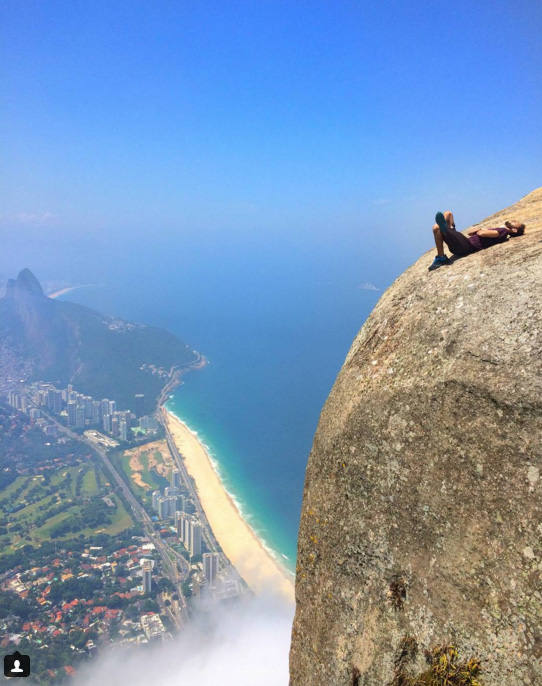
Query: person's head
x=515, y=228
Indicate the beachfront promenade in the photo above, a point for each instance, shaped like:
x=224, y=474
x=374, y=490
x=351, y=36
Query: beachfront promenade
x=224, y=529
x=174, y=381
x=207, y=533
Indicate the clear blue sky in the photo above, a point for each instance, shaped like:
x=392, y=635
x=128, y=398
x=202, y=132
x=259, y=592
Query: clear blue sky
x=288, y=120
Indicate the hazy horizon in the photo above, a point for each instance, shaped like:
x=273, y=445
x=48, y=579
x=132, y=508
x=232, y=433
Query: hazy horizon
x=256, y=125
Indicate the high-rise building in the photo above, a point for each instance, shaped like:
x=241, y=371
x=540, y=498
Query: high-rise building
x=179, y=524
x=96, y=412
x=194, y=542
x=87, y=404
x=72, y=416
x=54, y=400
x=173, y=498
x=105, y=407
x=186, y=531
x=146, y=573
x=171, y=505
x=210, y=567
x=106, y=423
x=163, y=508
x=79, y=416
x=58, y=402
x=112, y=406
x=115, y=425
x=50, y=398
x=123, y=429
x=175, y=479
x=155, y=497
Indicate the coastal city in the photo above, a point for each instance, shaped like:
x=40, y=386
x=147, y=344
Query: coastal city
x=115, y=525
x=80, y=411
x=104, y=540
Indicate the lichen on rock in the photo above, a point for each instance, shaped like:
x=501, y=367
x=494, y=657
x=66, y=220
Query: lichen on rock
x=422, y=512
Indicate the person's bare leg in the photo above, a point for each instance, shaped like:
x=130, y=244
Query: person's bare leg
x=438, y=240
x=449, y=219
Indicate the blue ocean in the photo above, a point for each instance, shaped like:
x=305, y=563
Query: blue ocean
x=275, y=326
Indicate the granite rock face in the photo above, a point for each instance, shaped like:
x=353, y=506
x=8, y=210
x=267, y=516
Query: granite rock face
x=422, y=508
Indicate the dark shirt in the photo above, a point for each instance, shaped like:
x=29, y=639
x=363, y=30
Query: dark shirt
x=480, y=242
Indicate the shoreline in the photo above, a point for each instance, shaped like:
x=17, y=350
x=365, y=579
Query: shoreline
x=239, y=542
x=273, y=554
x=67, y=289
x=62, y=291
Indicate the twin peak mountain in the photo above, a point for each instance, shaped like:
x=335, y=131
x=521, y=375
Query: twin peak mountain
x=45, y=339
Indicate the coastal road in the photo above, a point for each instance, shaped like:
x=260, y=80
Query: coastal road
x=176, y=375
x=208, y=535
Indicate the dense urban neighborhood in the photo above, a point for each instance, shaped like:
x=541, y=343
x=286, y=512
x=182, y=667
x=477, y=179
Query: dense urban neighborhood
x=103, y=540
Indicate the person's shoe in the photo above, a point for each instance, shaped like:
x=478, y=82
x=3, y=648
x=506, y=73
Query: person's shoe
x=439, y=261
x=442, y=223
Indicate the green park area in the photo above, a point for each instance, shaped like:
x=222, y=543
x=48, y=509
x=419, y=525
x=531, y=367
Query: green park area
x=120, y=519
x=60, y=504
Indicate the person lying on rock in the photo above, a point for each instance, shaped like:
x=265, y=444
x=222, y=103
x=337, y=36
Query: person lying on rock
x=444, y=231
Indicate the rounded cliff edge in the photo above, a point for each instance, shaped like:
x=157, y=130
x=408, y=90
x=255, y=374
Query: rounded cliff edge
x=420, y=542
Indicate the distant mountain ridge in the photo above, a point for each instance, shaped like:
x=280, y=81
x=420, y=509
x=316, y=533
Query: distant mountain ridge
x=62, y=342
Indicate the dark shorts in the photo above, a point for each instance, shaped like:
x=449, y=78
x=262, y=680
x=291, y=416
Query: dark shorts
x=458, y=243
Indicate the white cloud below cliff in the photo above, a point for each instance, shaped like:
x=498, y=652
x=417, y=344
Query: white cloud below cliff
x=241, y=645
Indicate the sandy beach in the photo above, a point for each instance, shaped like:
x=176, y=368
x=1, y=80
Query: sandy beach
x=67, y=289
x=62, y=291
x=254, y=563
